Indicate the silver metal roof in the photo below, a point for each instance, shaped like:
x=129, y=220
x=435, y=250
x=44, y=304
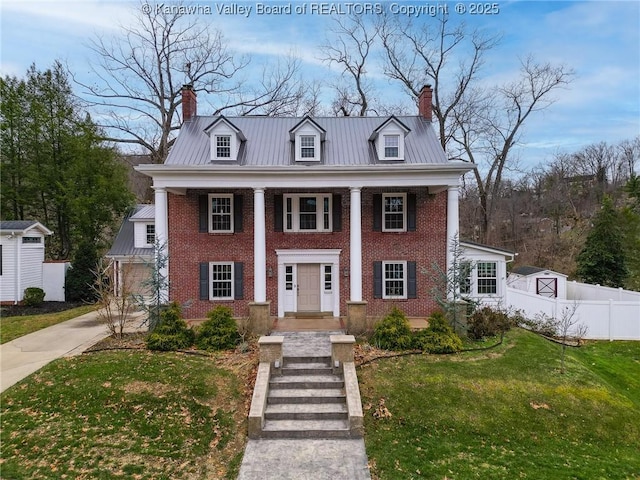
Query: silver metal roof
x=268, y=142
x=123, y=245
x=144, y=212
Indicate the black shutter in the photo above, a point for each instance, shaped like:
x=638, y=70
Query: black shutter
x=377, y=212
x=203, y=212
x=411, y=212
x=277, y=213
x=237, y=213
x=377, y=279
x=412, y=290
x=204, y=281
x=337, y=213
x=238, y=282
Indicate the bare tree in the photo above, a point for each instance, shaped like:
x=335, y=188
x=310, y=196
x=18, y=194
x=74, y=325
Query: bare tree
x=349, y=46
x=488, y=125
x=420, y=55
x=115, y=307
x=139, y=75
x=568, y=329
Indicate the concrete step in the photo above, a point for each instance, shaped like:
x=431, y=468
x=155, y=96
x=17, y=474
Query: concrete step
x=301, y=369
x=306, y=429
x=307, y=359
x=306, y=395
x=306, y=381
x=318, y=411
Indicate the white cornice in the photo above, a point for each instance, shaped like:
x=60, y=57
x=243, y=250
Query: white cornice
x=312, y=176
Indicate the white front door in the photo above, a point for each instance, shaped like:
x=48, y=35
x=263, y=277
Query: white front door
x=308, y=287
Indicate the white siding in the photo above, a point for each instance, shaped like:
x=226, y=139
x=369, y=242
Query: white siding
x=31, y=266
x=9, y=265
x=477, y=255
x=140, y=234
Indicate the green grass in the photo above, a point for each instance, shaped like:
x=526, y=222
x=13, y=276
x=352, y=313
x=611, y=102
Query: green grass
x=14, y=327
x=507, y=413
x=137, y=415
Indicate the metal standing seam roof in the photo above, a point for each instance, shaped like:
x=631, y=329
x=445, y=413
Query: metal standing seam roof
x=268, y=142
x=123, y=244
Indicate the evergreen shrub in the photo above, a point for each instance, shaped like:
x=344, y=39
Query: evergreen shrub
x=219, y=331
x=438, y=337
x=393, y=332
x=172, y=333
x=33, y=296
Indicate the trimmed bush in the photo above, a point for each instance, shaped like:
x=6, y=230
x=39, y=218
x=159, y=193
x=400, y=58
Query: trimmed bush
x=33, y=297
x=393, y=332
x=172, y=333
x=486, y=322
x=81, y=277
x=439, y=337
x=219, y=331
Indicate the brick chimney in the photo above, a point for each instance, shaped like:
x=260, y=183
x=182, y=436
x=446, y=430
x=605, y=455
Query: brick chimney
x=425, y=103
x=189, y=103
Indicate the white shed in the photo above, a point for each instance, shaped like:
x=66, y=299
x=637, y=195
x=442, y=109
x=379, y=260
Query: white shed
x=21, y=258
x=540, y=281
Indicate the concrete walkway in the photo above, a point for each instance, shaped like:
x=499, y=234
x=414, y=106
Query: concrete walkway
x=23, y=356
x=271, y=459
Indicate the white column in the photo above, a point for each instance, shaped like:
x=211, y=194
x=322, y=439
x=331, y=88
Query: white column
x=453, y=223
x=355, y=246
x=259, y=247
x=162, y=235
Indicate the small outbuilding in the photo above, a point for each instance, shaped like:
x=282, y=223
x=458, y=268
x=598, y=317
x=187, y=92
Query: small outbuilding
x=22, y=244
x=540, y=281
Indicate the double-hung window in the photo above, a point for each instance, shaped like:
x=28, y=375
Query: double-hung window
x=394, y=212
x=307, y=213
x=151, y=233
x=487, y=278
x=308, y=147
x=221, y=278
x=394, y=280
x=221, y=213
x=223, y=146
x=391, y=146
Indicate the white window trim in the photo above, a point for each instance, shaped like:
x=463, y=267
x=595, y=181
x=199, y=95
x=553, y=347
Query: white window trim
x=404, y=212
x=384, y=146
x=295, y=211
x=404, y=296
x=478, y=278
x=210, y=212
x=316, y=147
x=146, y=235
x=232, y=280
x=231, y=156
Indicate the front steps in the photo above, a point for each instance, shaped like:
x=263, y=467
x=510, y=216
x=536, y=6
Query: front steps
x=306, y=400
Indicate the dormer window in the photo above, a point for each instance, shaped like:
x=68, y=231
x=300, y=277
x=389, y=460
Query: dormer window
x=308, y=146
x=223, y=146
x=392, y=146
x=389, y=139
x=307, y=137
x=226, y=139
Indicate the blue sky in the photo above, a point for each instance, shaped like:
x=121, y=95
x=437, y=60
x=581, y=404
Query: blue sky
x=600, y=40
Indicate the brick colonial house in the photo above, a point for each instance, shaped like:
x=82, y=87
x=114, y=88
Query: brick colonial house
x=275, y=216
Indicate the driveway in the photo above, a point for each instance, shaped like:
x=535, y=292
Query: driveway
x=25, y=355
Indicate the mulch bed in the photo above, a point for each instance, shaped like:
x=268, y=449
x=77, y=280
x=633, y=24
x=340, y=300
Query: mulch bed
x=45, y=307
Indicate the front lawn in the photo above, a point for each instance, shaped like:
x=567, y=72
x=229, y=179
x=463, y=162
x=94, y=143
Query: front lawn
x=506, y=413
x=12, y=327
x=136, y=415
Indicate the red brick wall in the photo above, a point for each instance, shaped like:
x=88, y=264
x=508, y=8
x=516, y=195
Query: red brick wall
x=188, y=247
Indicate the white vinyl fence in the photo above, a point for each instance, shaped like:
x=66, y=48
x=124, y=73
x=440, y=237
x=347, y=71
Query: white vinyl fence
x=605, y=319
